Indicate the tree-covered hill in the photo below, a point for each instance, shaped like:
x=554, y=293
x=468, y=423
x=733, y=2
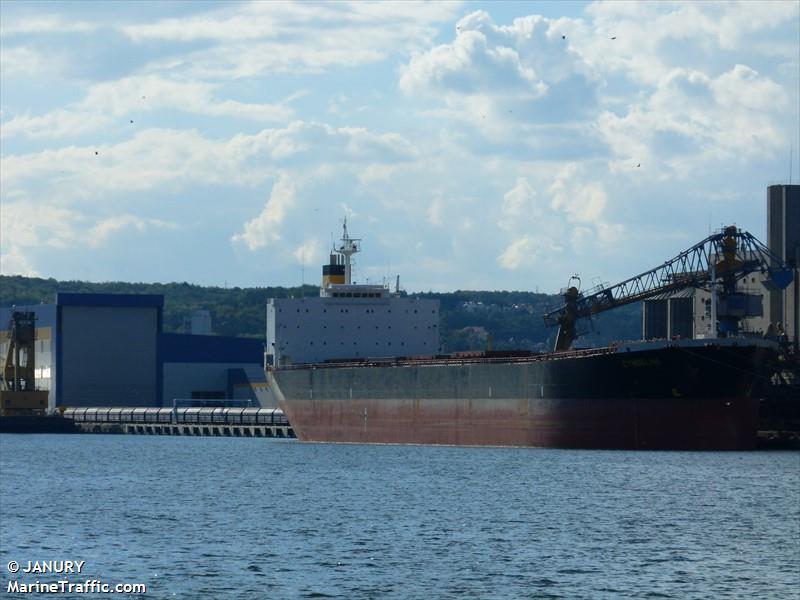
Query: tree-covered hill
x=469, y=320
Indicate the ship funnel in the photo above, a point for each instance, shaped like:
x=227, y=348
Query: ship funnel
x=333, y=272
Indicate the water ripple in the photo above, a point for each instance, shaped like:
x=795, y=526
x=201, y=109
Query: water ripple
x=238, y=518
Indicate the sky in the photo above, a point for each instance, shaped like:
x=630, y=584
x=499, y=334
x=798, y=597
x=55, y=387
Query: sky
x=482, y=146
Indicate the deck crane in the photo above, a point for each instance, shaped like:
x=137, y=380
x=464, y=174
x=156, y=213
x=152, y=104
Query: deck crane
x=716, y=263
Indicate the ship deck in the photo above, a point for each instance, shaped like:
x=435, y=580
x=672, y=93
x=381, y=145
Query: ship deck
x=524, y=356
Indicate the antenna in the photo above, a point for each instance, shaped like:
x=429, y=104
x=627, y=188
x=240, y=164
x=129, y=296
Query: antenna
x=302, y=272
x=349, y=247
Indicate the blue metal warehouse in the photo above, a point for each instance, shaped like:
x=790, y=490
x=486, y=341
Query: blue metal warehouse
x=110, y=350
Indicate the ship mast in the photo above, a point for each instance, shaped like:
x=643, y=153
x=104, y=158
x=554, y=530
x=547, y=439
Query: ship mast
x=348, y=247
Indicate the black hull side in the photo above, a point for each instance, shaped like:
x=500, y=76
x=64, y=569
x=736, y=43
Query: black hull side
x=699, y=398
x=37, y=424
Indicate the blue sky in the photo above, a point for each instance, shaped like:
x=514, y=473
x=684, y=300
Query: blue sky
x=470, y=145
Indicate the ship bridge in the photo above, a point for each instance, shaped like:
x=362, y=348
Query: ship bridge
x=355, y=291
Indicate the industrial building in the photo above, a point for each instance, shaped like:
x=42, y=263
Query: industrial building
x=783, y=238
x=110, y=350
x=687, y=314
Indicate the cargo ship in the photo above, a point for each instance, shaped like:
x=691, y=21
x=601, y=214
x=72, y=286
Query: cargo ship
x=665, y=394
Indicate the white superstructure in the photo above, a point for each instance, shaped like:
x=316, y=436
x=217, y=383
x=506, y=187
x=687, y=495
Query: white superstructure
x=348, y=320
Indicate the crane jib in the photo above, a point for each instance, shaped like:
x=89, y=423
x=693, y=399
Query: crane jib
x=719, y=260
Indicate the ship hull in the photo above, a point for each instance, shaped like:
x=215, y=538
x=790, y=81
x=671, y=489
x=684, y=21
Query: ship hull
x=690, y=397
x=36, y=424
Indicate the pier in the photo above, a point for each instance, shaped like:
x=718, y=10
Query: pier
x=219, y=422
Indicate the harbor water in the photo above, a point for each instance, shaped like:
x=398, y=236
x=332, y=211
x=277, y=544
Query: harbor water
x=200, y=517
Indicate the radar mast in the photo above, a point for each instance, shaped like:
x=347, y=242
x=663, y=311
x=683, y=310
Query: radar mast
x=348, y=247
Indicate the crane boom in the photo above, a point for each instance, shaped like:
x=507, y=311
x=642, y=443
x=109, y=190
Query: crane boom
x=723, y=257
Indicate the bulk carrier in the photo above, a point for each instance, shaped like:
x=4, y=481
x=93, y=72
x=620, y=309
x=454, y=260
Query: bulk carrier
x=361, y=364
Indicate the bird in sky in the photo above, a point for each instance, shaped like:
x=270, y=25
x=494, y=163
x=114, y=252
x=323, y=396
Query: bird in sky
x=638, y=165
x=131, y=120
x=96, y=153
x=563, y=37
x=614, y=37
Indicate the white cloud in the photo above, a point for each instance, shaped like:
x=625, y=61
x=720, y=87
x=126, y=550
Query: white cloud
x=653, y=38
x=526, y=251
x=151, y=159
x=173, y=159
x=307, y=254
x=27, y=24
x=691, y=118
x=15, y=262
x=58, y=123
x=24, y=231
x=266, y=228
x=325, y=143
x=580, y=202
x=100, y=233
x=25, y=61
x=259, y=37
x=436, y=212
x=518, y=88
x=573, y=210
x=51, y=226
x=501, y=131
x=471, y=65
x=520, y=200
x=115, y=102
x=520, y=252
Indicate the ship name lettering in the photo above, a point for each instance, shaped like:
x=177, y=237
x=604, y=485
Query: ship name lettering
x=641, y=362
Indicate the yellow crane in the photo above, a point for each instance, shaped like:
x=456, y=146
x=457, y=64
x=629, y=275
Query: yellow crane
x=18, y=394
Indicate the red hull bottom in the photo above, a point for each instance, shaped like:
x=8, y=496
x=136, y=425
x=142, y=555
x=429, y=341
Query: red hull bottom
x=641, y=424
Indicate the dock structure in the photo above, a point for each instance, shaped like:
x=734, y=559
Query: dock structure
x=195, y=421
